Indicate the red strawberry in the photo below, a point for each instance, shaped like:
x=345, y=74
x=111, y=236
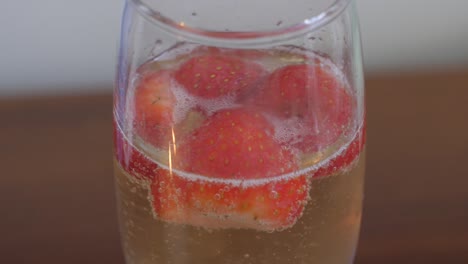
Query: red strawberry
x=238, y=158
x=215, y=75
x=154, y=102
x=234, y=144
x=314, y=96
x=269, y=205
x=345, y=158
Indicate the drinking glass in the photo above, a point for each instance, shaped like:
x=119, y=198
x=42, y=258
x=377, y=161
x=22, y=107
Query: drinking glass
x=239, y=131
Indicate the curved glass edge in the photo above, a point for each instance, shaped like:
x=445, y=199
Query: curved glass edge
x=232, y=38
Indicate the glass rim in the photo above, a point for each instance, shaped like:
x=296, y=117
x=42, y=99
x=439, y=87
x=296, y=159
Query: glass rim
x=250, y=37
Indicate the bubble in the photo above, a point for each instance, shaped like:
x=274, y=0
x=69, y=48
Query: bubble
x=217, y=197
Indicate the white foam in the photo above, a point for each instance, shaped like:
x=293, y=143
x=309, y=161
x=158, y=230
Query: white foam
x=287, y=130
x=186, y=102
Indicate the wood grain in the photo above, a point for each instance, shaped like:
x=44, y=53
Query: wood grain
x=57, y=197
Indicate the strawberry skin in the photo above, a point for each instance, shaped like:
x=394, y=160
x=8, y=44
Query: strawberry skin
x=154, y=102
x=304, y=90
x=215, y=75
x=269, y=206
x=232, y=149
x=314, y=97
x=234, y=144
x=345, y=158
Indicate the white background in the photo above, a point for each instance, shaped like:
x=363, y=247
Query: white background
x=69, y=46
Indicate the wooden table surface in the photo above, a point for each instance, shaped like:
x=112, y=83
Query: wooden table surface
x=56, y=185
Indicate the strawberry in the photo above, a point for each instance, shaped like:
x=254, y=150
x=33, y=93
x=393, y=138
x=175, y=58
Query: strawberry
x=240, y=162
x=233, y=144
x=314, y=97
x=154, y=102
x=304, y=90
x=345, y=158
x=215, y=75
x=270, y=205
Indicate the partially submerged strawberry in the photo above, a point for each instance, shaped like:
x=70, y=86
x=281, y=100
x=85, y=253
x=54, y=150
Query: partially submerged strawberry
x=312, y=95
x=346, y=157
x=234, y=144
x=215, y=75
x=268, y=205
x=153, y=104
x=240, y=162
